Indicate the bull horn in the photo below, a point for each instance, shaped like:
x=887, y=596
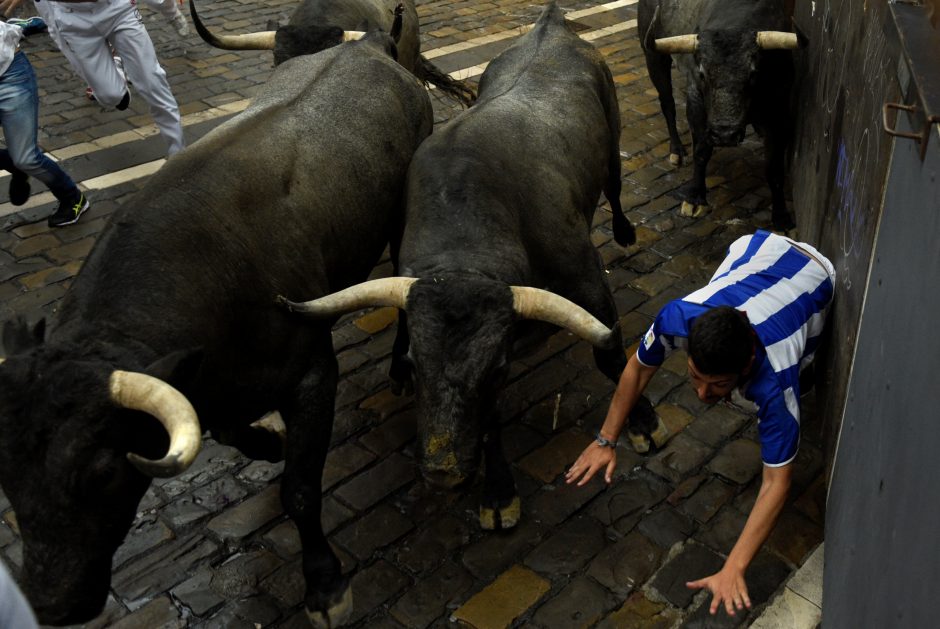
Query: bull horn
x=535, y=303
x=777, y=40
x=251, y=41
x=677, y=44
x=388, y=291
x=153, y=396
x=353, y=35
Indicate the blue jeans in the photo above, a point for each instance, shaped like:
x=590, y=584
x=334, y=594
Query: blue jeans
x=19, y=116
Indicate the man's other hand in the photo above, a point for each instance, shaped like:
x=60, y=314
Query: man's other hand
x=726, y=586
x=594, y=458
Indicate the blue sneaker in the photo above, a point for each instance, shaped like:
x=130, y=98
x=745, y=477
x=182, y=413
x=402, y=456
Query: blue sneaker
x=30, y=25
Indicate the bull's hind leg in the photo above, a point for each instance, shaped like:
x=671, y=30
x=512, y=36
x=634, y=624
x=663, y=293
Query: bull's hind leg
x=645, y=427
x=659, y=67
x=624, y=233
x=309, y=420
x=500, y=507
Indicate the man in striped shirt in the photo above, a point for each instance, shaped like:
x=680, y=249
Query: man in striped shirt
x=752, y=328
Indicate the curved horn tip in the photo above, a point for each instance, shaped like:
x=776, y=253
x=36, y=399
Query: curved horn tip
x=167, y=467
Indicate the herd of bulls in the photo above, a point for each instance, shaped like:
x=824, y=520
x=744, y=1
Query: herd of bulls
x=191, y=312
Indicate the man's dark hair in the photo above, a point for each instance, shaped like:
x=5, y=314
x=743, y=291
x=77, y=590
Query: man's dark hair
x=721, y=341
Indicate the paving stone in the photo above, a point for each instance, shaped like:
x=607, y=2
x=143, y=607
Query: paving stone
x=701, y=617
x=239, y=576
x=788, y=610
x=219, y=494
x=693, y=562
x=554, y=458
x=286, y=585
x=808, y=580
x=284, y=539
x=794, y=537
x=626, y=565
x=495, y=552
x=370, y=486
x=143, y=535
x=675, y=418
x=716, y=424
x=426, y=548
x=686, y=488
x=638, y=612
x=569, y=548
x=375, y=585
x=159, y=613
x=378, y=528
x=739, y=461
x=392, y=434
x=723, y=530
x=504, y=600
x=196, y=595
x=213, y=460
x=552, y=505
x=627, y=501
x=160, y=570
x=666, y=526
x=250, y=613
x=579, y=605
x=706, y=502
x=682, y=456
x=332, y=516
x=430, y=598
x=344, y=461
x=377, y=320
x=183, y=512
x=248, y=516
x=261, y=472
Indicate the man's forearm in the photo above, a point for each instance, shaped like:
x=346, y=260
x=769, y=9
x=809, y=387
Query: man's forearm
x=775, y=486
x=632, y=383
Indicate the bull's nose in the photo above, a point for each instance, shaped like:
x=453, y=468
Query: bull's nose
x=726, y=136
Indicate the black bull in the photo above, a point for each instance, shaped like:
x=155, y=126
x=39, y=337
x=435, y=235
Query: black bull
x=296, y=195
x=738, y=71
x=319, y=24
x=499, y=201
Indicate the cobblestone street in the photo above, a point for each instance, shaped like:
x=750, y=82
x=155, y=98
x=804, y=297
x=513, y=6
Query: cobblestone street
x=212, y=548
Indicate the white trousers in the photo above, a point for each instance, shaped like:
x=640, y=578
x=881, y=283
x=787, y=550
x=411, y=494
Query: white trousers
x=84, y=31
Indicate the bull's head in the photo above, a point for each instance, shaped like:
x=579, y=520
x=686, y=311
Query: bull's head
x=80, y=443
x=291, y=40
x=724, y=71
x=461, y=331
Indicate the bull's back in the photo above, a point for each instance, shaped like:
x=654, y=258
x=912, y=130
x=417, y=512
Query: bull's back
x=295, y=195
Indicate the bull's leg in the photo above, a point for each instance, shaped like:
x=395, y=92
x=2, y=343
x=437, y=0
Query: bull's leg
x=400, y=371
x=645, y=427
x=500, y=507
x=309, y=419
x=660, y=71
x=694, y=202
x=774, y=148
x=624, y=233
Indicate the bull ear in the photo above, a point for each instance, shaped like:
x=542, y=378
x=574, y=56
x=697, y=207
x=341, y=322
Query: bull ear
x=178, y=369
x=18, y=338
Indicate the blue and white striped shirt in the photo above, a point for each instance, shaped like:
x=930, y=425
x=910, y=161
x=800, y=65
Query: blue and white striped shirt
x=785, y=295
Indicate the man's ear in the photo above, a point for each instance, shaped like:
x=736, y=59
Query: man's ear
x=177, y=369
x=18, y=338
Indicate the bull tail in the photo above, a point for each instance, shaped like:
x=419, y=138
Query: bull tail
x=458, y=90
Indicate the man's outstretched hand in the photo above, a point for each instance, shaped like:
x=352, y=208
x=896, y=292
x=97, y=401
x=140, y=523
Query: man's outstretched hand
x=726, y=586
x=594, y=458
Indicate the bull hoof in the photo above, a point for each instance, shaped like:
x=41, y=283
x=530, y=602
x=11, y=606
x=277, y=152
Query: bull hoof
x=402, y=387
x=661, y=435
x=639, y=442
x=503, y=518
x=675, y=159
x=694, y=211
x=336, y=615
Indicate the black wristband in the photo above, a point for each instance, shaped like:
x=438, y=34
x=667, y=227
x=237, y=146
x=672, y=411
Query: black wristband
x=604, y=443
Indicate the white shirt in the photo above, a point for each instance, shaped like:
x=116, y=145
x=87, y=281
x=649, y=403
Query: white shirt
x=10, y=37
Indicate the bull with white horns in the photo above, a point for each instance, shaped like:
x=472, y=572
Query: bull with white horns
x=736, y=58
x=171, y=327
